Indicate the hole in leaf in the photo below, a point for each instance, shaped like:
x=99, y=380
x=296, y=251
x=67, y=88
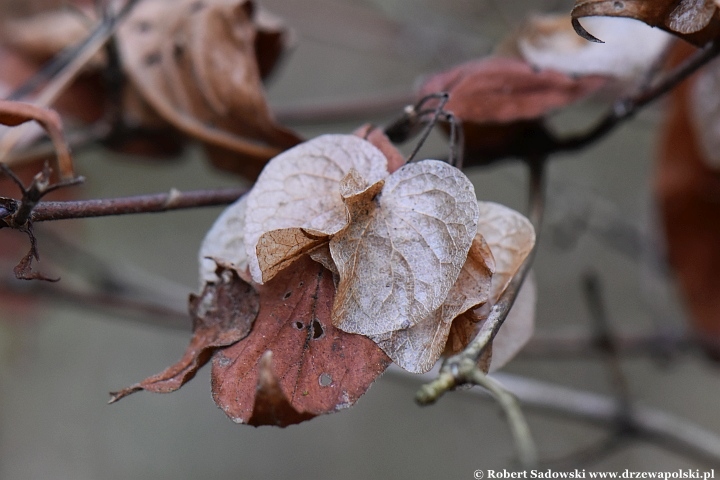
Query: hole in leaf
x=298, y=325
x=317, y=329
x=301, y=284
x=325, y=380
x=287, y=295
x=619, y=5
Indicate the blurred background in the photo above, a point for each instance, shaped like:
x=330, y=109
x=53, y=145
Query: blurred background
x=59, y=358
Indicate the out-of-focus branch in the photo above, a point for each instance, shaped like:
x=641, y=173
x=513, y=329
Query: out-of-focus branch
x=647, y=424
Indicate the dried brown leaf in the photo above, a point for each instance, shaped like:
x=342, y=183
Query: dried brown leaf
x=549, y=41
x=505, y=90
x=225, y=243
x=42, y=36
x=222, y=314
x=16, y=113
x=510, y=237
x=299, y=192
x=687, y=184
x=403, y=248
x=195, y=64
x=696, y=21
x=319, y=368
x=417, y=348
x=503, y=101
x=271, y=405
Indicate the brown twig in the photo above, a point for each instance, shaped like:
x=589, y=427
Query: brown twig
x=626, y=108
x=649, y=424
x=152, y=203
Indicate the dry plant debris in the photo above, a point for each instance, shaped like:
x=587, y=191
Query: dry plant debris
x=355, y=267
x=503, y=101
x=191, y=67
x=696, y=21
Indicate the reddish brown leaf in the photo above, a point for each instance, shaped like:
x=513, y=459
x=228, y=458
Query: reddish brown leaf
x=505, y=90
x=502, y=101
x=222, y=314
x=319, y=368
x=688, y=188
x=271, y=405
x=378, y=138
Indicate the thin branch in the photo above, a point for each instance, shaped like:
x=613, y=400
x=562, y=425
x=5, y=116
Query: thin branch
x=156, y=314
x=648, y=424
x=626, y=108
x=524, y=444
x=159, y=202
x=606, y=342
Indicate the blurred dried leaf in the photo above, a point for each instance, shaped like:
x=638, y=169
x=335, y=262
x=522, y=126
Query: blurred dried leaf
x=195, y=63
x=42, y=36
x=299, y=193
x=222, y=314
x=687, y=185
x=502, y=101
x=403, y=248
x=696, y=21
x=506, y=90
x=318, y=368
x=550, y=42
x=13, y=114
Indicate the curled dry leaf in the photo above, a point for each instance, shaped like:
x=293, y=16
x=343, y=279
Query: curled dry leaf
x=194, y=62
x=319, y=369
x=403, y=247
x=696, y=21
x=222, y=314
x=16, y=113
x=550, y=42
x=502, y=101
x=298, y=193
x=511, y=238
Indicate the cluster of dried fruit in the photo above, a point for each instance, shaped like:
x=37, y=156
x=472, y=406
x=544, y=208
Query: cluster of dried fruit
x=355, y=259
